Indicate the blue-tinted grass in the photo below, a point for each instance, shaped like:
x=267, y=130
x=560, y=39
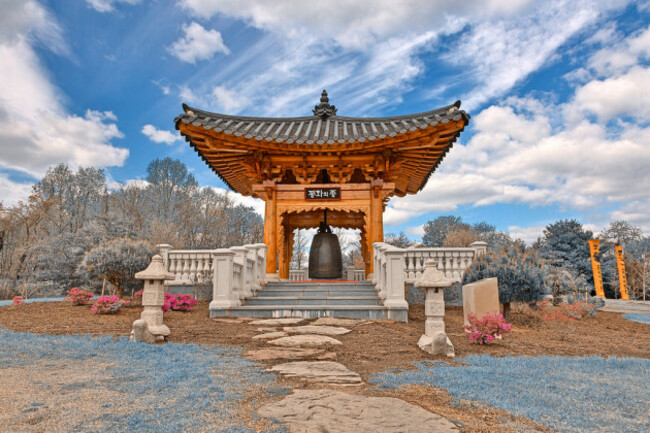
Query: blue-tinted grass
x=638, y=317
x=587, y=394
x=8, y=302
x=168, y=388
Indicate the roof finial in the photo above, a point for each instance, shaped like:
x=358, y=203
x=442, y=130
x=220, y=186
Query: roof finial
x=324, y=109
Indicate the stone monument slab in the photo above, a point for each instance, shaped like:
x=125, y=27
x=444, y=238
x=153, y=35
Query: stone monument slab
x=481, y=298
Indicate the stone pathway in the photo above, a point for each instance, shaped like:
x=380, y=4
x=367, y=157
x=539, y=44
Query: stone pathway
x=306, y=340
x=320, y=330
x=321, y=411
x=277, y=322
x=284, y=353
x=326, y=410
x=328, y=372
x=270, y=335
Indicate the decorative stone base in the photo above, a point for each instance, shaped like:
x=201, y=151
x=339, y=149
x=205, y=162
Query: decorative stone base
x=439, y=344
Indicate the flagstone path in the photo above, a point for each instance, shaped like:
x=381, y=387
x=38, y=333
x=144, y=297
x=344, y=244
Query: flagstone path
x=328, y=410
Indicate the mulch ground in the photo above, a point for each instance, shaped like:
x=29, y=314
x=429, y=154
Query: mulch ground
x=373, y=347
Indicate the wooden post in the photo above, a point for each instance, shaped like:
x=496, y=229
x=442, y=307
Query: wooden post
x=270, y=227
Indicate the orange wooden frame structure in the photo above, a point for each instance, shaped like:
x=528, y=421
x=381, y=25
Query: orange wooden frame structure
x=367, y=159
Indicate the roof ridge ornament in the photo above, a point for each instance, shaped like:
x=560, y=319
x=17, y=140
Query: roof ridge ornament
x=324, y=109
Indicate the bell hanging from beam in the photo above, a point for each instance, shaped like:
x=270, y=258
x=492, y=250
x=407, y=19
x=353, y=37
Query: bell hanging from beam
x=325, y=260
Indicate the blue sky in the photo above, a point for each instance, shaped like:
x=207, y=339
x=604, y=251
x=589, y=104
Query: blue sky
x=559, y=93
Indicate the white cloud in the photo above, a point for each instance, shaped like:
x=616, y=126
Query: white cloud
x=198, y=43
x=354, y=24
x=159, y=135
x=229, y=100
x=13, y=192
x=256, y=203
x=620, y=56
x=415, y=231
x=628, y=94
x=108, y=5
x=527, y=234
x=36, y=130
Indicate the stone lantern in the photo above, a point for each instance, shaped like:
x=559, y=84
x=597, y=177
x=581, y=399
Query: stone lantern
x=434, y=340
x=150, y=328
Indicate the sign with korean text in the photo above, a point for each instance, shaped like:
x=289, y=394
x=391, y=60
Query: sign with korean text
x=323, y=193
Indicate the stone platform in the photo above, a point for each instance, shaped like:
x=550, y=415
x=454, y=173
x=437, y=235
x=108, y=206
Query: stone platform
x=353, y=300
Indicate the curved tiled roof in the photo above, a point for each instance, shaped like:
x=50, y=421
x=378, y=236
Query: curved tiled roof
x=318, y=129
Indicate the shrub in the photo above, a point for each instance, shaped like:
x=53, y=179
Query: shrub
x=18, y=300
x=108, y=305
x=485, y=329
x=138, y=294
x=178, y=302
x=79, y=296
x=520, y=275
x=117, y=260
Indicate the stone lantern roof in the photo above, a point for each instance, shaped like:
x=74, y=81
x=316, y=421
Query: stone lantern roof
x=155, y=271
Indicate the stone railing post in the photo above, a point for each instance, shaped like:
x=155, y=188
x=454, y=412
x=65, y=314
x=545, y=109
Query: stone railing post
x=223, y=295
x=479, y=247
x=349, y=273
x=252, y=255
x=240, y=257
x=163, y=251
x=434, y=340
x=261, y=262
x=395, y=288
x=150, y=328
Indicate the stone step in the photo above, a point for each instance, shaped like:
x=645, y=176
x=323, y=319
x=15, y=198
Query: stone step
x=313, y=300
x=310, y=312
x=288, y=284
x=266, y=293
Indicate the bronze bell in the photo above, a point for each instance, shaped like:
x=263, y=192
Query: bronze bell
x=325, y=260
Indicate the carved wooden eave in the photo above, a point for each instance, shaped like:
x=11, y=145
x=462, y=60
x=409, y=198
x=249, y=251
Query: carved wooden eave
x=244, y=151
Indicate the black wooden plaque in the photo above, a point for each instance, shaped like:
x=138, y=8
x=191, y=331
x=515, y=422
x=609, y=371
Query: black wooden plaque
x=323, y=194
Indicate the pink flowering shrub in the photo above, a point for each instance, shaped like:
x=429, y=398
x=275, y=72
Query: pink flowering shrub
x=79, y=296
x=178, y=302
x=485, y=329
x=18, y=300
x=138, y=294
x=108, y=305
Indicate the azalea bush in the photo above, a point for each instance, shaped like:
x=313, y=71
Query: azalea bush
x=79, y=296
x=18, y=300
x=483, y=330
x=180, y=302
x=108, y=305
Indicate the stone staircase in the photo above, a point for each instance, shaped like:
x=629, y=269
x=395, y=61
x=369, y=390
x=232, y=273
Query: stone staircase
x=355, y=300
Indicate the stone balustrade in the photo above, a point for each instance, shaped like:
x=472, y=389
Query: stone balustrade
x=452, y=262
x=298, y=274
x=235, y=273
x=393, y=267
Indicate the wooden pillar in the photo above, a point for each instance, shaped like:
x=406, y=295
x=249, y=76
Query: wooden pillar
x=376, y=229
x=285, y=249
x=270, y=227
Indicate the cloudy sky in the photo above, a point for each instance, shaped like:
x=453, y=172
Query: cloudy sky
x=559, y=92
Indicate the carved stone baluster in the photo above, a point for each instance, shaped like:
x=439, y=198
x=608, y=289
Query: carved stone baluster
x=172, y=265
x=193, y=260
x=186, y=268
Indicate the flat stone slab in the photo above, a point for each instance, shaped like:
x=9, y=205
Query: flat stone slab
x=289, y=354
x=270, y=335
x=332, y=321
x=306, y=340
x=319, y=330
x=277, y=322
x=335, y=411
x=328, y=372
x=267, y=329
x=220, y=320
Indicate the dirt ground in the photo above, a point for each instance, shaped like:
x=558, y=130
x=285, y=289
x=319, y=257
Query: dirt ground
x=374, y=346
